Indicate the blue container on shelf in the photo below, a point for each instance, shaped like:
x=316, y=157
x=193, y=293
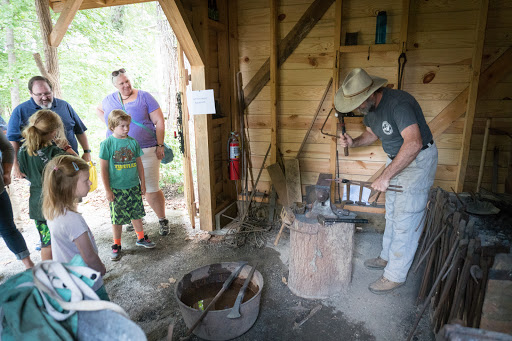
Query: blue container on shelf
x=380, y=31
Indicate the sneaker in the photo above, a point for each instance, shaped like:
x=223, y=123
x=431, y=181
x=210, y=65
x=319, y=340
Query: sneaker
x=145, y=242
x=38, y=246
x=384, y=286
x=116, y=252
x=375, y=263
x=164, y=226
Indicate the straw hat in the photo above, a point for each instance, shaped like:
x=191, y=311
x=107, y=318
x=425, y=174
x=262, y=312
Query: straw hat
x=356, y=88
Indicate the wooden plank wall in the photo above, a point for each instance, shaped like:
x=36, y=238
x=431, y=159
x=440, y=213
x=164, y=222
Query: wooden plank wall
x=497, y=104
x=302, y=81
x=441, y=41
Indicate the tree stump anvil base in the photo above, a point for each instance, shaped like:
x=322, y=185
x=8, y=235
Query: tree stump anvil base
x=320, y=258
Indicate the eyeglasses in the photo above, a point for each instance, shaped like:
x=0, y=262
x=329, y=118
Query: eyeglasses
x=47, y=94
x=117, y=72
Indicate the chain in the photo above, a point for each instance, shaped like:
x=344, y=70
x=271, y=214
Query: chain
x=179, y=123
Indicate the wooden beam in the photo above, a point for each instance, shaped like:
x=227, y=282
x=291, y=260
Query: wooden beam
x=203, y=125
x=335, y=85
x=181, y=26
x=404, y=25
x=472, y=94
x=274, y=51
x=225, y=87
x=188, y=181
x=489, y=78
x=58, y=5
x=65, y=19
x=234, y=66
x=308, y=20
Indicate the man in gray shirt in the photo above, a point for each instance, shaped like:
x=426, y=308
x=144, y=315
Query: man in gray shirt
x=394, y=117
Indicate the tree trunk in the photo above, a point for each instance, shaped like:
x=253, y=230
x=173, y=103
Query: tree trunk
x=11, y=58
x=50, y=53
x=169, y=56
x=117, y=18
x=320, y=258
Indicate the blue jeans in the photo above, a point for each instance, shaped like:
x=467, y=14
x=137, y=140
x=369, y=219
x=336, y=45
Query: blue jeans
x=12, y=237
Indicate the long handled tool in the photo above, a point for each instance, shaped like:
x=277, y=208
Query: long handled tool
x=235, y=311
x=225, y=286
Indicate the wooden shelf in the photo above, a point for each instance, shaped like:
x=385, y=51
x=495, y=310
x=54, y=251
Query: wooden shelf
x=373, y=48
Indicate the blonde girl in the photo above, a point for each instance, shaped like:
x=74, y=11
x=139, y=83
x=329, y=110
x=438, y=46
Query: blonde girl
x=66, y=181
x=43, y=140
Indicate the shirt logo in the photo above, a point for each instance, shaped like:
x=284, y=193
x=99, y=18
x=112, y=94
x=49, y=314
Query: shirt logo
x=386, y=128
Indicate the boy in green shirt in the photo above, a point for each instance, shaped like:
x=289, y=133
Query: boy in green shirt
x=123, y=177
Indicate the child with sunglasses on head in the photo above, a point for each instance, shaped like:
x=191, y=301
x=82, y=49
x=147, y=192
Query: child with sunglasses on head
x=123, y=176
x=44, y=139
x=66, y=181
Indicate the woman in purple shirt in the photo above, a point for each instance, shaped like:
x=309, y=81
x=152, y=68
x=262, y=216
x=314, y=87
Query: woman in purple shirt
x=144, y=109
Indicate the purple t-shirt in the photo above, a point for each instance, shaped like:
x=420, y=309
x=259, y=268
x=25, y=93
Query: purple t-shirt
x=139, y=110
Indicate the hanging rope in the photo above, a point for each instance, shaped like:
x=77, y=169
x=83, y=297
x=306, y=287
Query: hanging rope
x=179, y=123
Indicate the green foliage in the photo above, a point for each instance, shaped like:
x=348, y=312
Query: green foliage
x=97, y=42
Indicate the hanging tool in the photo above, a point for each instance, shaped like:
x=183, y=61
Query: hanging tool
x=360, y=201
x=225, y=286
x=235, y=311
x=402, y=59
x=179, y=124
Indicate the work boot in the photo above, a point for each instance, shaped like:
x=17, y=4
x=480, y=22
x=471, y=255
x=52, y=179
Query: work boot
x=375, y=263
x=384, y=286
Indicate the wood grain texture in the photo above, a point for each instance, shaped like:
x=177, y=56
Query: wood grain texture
x=287, y=46
x=321, y=262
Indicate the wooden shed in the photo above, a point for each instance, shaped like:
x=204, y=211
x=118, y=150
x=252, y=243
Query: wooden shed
x=458, y=68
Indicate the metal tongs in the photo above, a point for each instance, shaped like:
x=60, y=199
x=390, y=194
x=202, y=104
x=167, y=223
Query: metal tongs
x=393, y=188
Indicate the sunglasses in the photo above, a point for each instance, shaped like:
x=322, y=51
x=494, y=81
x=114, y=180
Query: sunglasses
x=117, y=72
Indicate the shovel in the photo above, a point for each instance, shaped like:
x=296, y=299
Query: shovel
x=235, y=311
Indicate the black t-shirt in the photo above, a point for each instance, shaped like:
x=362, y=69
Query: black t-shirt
x=396, y=111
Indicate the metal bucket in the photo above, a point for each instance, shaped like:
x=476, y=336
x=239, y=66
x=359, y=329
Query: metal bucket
x=216, y=325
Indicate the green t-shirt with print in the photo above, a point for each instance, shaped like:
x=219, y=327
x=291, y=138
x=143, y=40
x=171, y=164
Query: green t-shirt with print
x=121, y=155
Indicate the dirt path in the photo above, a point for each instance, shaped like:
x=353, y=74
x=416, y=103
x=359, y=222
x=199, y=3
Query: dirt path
x=140, y=281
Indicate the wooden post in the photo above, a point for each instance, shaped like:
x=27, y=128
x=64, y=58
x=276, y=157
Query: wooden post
x=203, y=127
x=320, y=258
x=482, y=157
x=335, y=86
x=274, y=43
x=187, y=160
x=472, y=95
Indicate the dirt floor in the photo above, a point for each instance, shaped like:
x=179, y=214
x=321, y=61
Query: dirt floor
x=143, y=281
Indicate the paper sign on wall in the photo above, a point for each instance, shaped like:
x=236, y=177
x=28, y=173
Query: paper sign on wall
x=201, y=102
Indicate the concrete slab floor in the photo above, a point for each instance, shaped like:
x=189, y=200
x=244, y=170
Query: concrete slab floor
x=139, y=283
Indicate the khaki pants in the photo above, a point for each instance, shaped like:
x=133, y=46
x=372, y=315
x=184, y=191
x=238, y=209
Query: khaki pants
x=404, y=212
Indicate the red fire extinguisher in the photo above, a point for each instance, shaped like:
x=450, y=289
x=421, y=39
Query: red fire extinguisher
x=234, y=156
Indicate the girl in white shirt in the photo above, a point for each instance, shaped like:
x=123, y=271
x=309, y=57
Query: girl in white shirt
x=66, y=181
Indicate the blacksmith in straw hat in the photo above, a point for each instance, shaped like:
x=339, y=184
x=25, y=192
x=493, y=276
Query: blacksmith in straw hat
x=394, y=117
